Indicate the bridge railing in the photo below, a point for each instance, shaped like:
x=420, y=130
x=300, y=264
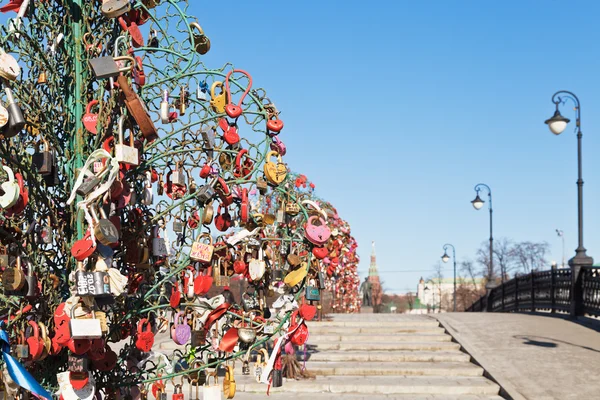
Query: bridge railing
x=546, y=291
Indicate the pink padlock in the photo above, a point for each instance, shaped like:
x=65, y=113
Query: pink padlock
x=278, y=146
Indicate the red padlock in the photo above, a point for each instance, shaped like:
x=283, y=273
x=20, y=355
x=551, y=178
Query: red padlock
x=79, y=346
x=244, y=206
x=224, y=192
x=137, y=39
x=90, y=120
x=34, y=342
x=320, y=252
x=108, y=362
x=83, y=248
x=97, y=349
x=223, y=220
x=275, y=125
x=175, y=296
x=205, y=171
x=244, y=170
x=139, y=76
x=145, y=337
x=233, y=110
x=230, y=131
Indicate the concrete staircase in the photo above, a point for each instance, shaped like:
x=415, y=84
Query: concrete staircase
x=377, y=356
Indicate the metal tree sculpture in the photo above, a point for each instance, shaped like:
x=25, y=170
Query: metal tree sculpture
x=127, y=139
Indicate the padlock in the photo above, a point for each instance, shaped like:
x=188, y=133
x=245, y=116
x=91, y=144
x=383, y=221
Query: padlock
x=220, y=277
x=16, y=121
x=153, y=40
x=208, y=145
x=21, y=350
x=178, y=176
x=105, y=231
x=89, y=184
x=42, y=78
x=106, y=67
x=218, y=101
x=13, y=278
x=312, y=293
x=88, y=328
x=202, y=91
x=115, y=8
x=123, y=153
x=200, y=41
x=182, y=101
x=206, y=192
x=261, y=185
x=164, y=108
x=198, y=333
x=202, y=252
x=3, y=257
x=32, y=282
x=46, y=233
x=178, y=394
x=11, y=190
x=77, y=364
x=43, y=160
x=277, y=378
x=160, y=247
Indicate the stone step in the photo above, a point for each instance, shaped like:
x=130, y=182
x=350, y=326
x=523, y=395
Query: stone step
x=387, y=356
x=373, y=385
x=412, y=346
x=382, y=324
x=348, y=330
x=350, y=396
x=394, y=369
x=400, y=337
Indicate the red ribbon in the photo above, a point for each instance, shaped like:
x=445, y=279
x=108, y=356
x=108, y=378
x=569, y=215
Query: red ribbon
x=215, y=315
x=229, y=340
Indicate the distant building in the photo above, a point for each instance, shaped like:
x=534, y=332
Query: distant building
x=435, y=295
x=376, y=290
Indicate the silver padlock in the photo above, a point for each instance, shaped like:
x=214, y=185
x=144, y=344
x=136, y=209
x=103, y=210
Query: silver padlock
x=123, y=153
x=178, y=177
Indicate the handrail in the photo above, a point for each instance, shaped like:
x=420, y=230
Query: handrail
x=551, y=291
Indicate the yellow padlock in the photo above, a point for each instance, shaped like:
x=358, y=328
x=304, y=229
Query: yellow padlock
x=218, y=101
x=275, y=173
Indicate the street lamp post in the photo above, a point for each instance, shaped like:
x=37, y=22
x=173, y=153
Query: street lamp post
x=477, y=204
x=561, y=234
x=557, y=125
x=446, y=258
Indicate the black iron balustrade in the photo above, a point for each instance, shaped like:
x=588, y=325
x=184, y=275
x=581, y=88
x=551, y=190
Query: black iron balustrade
x=544, y=291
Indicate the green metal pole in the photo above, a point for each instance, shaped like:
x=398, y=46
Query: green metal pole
x=75, y=102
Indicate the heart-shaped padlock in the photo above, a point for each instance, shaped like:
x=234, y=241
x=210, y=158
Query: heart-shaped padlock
x=320, y=252
x=90, y=119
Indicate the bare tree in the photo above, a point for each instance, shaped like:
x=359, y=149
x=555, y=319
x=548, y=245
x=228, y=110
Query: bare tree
x=504, y=256
x=483, y=258
x=467, y=290
x=531, y=256
x=437, y=279
x=410, y=300
x=468, y=268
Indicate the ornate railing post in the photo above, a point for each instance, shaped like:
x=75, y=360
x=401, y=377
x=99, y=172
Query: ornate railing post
x=553, y=289
x=576, y=291
x=489, y=298
x=502, y=296
x=532, y=292
x=516, y=293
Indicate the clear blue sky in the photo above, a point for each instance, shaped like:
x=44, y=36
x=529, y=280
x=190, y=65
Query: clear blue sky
x=396, y=109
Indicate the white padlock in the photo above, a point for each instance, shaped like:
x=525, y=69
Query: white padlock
x=123, y=153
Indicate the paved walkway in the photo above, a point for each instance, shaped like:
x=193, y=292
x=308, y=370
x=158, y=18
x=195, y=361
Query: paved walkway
x=532, y=357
